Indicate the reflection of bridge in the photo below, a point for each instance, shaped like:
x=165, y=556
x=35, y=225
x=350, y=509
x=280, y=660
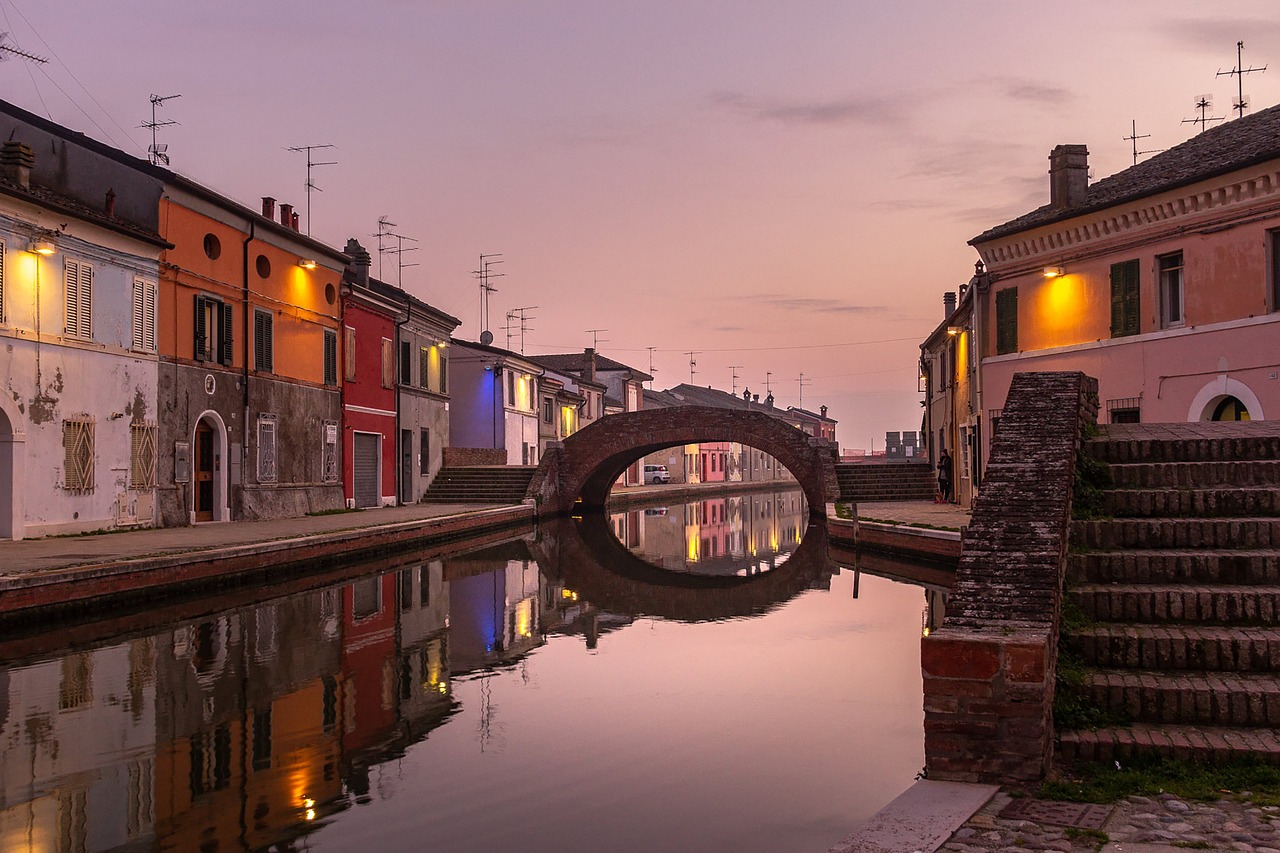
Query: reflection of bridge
x=586, y=556
x=588, y=463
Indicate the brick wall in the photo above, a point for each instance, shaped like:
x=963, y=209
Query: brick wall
x=459, y=457
x=989, y=670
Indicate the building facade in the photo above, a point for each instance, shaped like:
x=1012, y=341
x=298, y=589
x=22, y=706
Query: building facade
x=495, y=393
x=369, y=413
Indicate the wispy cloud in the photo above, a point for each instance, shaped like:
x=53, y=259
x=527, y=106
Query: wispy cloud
x=835, y=111
x=1219, y=35
x=1039, y=93
x=815, y=305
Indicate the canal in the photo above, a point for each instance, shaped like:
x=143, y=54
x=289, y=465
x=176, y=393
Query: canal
x=697, y=676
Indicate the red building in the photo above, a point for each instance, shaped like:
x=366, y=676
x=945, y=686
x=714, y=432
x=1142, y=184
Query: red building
x=369, y=611
x=368, y=396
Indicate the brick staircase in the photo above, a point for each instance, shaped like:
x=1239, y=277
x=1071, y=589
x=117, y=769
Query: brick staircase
x=1182, y=584
x=480, y=484
x=886, y=481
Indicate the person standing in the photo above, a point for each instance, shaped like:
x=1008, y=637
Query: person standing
x=944, y=476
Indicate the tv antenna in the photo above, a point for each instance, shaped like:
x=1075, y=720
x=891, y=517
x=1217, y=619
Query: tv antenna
x=1204, y=104
x=692, y=363
x=803, y=382
x=398, y=251
x=311, y=185
x=733, y=369
x=1238, y=72
x=384, y=231
x=1134, y=136
x=157, y=152
x=595, y=337
x=652, y=371
x=485, y=274
x=7, y=50
x=768, y=377
x=519, y=314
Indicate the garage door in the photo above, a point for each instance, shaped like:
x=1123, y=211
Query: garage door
x=368, y=492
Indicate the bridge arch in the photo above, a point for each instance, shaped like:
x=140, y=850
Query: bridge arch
x=588, y=463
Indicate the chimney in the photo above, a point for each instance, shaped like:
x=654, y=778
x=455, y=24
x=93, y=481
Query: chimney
x=822, y=410
x=746, y=395
x=286, y=214
x=110, y=207
x=360, y=261
x=755, y=398
x=18, y=160
x=948, y=304
x=1068, y=176
x=768, y=401
x=589, y=364
x=268, y=207
x=293, y=222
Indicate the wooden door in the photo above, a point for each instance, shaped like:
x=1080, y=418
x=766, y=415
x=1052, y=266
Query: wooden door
x=203, y=474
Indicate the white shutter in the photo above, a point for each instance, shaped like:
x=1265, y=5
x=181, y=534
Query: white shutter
x=79, y=283
x=150, y=315
x=73, y=297
x=2, y=314
x=139, y=314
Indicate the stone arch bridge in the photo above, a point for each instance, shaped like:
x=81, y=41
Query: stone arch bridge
x=578, y=474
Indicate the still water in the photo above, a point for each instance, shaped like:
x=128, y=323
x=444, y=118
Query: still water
x=691, y=677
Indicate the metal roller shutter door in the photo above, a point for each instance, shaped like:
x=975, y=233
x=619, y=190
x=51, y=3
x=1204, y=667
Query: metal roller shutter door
x=368, y=492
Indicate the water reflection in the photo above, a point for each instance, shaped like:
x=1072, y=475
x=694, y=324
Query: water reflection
x=485, y=687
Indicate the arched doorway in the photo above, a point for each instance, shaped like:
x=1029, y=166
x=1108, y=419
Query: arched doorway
x=12, y=461
x=1230, y=409
x=209, y=464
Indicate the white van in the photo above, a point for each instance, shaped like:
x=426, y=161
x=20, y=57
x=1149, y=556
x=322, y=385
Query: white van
x=654, y=474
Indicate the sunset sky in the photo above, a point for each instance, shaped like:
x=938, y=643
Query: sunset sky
x=787, y=187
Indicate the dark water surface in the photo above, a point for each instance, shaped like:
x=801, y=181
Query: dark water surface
x=714, y=685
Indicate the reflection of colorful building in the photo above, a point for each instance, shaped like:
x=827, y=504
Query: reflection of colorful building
x=493, y=613
x=369, y=612
x=423, y=657
x=77, y=767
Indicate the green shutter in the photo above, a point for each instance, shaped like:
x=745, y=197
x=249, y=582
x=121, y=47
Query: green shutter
x=1124, y=299
x=1007, y=321
x=201, y=350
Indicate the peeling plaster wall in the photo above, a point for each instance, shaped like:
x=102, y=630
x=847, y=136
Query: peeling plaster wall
x=49, y=376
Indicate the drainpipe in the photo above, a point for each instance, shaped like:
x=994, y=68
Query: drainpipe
x=980, y=286
x=399, y=437
x=244, y=425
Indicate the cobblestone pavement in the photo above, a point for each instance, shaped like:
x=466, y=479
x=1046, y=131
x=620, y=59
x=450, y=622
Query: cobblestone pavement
x=950, y=516
x=1138, y=824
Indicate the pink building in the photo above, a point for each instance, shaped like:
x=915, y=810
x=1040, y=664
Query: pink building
x=1163, y=281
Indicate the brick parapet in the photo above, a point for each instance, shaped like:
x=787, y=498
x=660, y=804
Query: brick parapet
x=989, y=670
x=462, y=457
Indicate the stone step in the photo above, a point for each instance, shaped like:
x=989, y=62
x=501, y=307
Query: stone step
x=1196, y=698
x=1198, y=449
x=1163, y=603
x=1161, y=533
x=1201, y=744
x=1212, y=503
x=1201, y=566
x=1190, y=475
x=1179, y=647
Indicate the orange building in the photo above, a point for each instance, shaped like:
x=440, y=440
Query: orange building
x=249, y=315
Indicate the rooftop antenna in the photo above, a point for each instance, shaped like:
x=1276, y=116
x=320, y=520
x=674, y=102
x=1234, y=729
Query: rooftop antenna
x=384, y=230
x=7, y=50
x=803, y=382
x=733, y=369
x=1204, y=104
x=692, y=363
x=651, y=369
x=310, y=183
x=398, y=251
x=1238, y=72
x=156, y=153
x=768, y=376
x=485, y=274
x=595, y=337
x=1134, y=136
x=519, y=314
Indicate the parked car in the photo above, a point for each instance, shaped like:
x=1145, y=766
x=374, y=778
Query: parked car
x=654, y=474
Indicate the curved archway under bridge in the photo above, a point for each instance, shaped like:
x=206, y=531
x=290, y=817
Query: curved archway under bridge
x=579, y=473
x=586, y=556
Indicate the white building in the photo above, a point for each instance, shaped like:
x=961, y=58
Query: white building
x=494, y=395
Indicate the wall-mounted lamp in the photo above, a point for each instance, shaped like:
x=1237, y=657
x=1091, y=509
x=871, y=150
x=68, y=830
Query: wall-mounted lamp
x=41, y=247
x=1053, y=272
x=955, y=330
x=307, y=263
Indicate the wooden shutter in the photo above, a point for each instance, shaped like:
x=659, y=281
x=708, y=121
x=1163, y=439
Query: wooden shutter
x=1124, y=299
x=79, y=301
x=444, y=372
x=349, y=354
x=2, y=314
x=263, y=350
x=201, y=332
x=224, y=344
x=144, y=315
x=388, y=364
x=424, y=367
x=330, y=357
x=1007, y=320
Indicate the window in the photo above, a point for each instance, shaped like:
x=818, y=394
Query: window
x=212, y=330
x=444, y=372
x=406, y=363
x=1124, y=299
x=329, y=452
x=1006, y=321
x=406, y=589
x=79, y=281
x=212, y=247
x=511, y=387
x=77, y=449
x=267, y=469
x=548, y=407
x=263, y=348
x=1273, y=238
x=330, y=357
x=424, y=452
x=262, y=739
x=144, y=315
x=2, y=315
x=424, y=367
x=349, y=354
x=1171, y=307
x=142, y=455
x=388, y=364
x=366, y=597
